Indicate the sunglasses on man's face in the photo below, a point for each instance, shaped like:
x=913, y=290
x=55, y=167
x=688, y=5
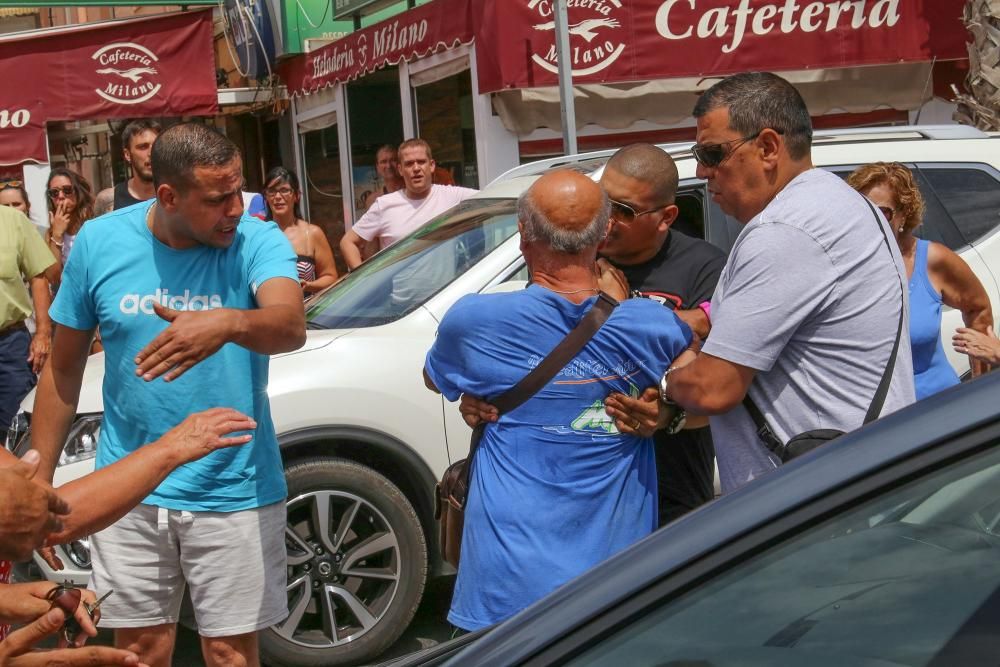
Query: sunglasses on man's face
x=622, y=212
x=712, y=155
x=66, y=190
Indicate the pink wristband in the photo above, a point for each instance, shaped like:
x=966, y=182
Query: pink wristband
x=707, y=307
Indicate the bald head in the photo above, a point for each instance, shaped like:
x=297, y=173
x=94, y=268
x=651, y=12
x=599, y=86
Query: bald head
x=649, y=164
x=565, y=210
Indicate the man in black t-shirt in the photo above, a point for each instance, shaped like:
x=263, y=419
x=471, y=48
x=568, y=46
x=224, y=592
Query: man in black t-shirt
x=678, y=271
x=137, y=146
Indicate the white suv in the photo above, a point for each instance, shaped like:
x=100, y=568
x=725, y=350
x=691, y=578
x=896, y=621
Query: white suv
x=364, y=442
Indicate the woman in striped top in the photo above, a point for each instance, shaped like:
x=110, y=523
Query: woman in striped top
x=315, y=264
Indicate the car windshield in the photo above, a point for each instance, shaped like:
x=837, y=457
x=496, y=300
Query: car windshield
x=909, y=577
x=403, y=277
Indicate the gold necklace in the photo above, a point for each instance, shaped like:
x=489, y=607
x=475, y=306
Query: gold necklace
x=575, y=291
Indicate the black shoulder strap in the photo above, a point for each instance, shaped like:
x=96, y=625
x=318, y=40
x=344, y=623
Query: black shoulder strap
x=555, y=361
x=764, y=432
x=883, y=386
x=561, y=355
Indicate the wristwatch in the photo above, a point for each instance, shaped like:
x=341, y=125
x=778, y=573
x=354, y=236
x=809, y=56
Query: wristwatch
x=676, y=424
x=664, y=396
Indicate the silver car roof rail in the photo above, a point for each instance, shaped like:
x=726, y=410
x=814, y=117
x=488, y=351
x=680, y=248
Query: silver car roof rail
x=582, y=161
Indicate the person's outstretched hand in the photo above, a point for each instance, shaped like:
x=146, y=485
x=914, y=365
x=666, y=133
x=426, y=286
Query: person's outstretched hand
x=18, y=649
x=24, y=602
x=191, y=337
x=611, y=280
x=29, y=513
x=204, y=432
x=979, y=346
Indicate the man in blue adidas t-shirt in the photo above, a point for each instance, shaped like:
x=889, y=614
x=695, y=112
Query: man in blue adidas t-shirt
x=555, y=488
x=191, y=295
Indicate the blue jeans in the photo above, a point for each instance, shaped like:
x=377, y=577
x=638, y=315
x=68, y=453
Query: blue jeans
x=16, y=376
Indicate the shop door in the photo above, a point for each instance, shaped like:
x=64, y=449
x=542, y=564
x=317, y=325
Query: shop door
x=375, y=113
x=445, y=121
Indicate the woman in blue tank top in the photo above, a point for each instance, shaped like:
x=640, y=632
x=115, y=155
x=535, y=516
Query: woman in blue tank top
x=936, y=274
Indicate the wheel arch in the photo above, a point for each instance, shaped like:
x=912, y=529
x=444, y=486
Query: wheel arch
x=382, y=453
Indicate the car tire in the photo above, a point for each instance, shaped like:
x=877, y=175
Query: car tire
x=353, y=589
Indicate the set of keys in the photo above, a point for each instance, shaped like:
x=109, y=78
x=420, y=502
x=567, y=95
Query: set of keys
x=68, y=598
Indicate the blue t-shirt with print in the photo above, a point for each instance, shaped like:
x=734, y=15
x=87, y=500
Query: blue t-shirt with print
x=555, y=487
x=115, y=273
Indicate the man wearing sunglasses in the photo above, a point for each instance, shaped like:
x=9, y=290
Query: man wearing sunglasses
x=680, y=272
x=806, y=312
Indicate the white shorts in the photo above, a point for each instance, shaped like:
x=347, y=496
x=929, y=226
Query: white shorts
x=234, y=563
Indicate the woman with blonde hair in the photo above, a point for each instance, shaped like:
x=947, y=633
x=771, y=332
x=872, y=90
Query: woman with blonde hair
x=936, y=274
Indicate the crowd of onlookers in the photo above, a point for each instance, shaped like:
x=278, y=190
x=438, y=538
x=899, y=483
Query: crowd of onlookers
x=825, y=315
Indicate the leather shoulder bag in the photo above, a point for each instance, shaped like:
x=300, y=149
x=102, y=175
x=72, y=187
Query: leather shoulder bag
x=810, y=440
x=453, y=489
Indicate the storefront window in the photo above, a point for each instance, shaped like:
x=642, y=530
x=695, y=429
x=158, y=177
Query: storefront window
x=376, y=119
x=445, y=121
x=322, y=181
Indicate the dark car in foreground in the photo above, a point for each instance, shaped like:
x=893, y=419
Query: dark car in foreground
x=880, y=549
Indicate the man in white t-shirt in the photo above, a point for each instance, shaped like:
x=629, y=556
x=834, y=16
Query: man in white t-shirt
x=396, y=214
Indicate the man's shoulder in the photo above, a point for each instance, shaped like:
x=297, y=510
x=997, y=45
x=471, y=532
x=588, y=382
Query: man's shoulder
x=109, y=226
x=455, y=192
x=695, y=246
x=488, y=306
x=252, y=227
x=11, y=216
x=645, y=313
x=812, y=195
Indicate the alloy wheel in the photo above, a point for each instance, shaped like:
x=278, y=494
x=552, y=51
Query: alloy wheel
x=343, y=568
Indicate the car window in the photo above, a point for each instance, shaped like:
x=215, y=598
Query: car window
x=970, y=195
x=937, y=225
x=404, y=276
x=723, y=229
x=690, y=201
x=910, y=577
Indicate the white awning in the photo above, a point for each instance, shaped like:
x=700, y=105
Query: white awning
x=670, y=101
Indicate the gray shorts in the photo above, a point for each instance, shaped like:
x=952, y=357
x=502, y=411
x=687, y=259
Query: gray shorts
x=234, y=563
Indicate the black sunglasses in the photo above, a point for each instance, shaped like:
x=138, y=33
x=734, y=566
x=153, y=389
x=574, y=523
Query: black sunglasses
x=67, y=190
x=622, y=212
x=712, y=155
x=887, y=212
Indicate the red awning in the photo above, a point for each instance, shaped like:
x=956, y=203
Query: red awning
x=161, y=66
x=413, y=34
x=644, y=40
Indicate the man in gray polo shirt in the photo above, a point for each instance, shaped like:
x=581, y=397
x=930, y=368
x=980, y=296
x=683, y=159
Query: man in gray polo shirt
x=807, y=308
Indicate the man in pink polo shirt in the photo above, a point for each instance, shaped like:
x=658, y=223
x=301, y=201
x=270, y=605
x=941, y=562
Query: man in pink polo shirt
x=396, y=214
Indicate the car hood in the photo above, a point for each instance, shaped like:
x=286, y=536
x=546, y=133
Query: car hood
x=92, y=396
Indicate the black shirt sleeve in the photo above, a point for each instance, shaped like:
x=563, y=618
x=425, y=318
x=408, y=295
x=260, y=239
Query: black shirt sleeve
x=705, y=280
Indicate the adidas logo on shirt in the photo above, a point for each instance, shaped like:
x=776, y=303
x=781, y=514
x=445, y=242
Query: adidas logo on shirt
x=133, y=304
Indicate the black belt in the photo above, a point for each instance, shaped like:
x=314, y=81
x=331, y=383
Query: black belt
x=13, y=328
